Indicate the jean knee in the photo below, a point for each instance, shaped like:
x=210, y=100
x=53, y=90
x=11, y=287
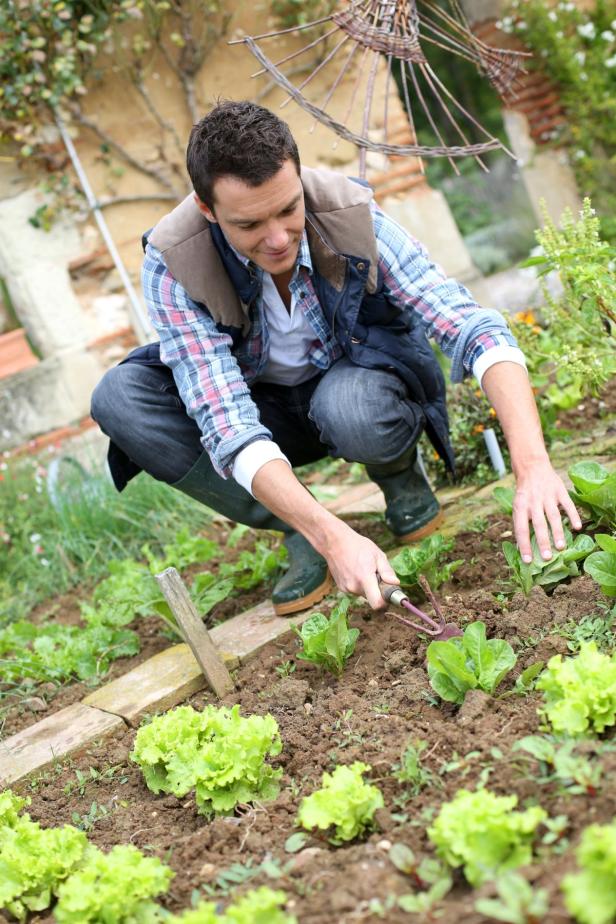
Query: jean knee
x=111, y=397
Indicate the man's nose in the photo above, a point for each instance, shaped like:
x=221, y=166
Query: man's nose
x=277, y=237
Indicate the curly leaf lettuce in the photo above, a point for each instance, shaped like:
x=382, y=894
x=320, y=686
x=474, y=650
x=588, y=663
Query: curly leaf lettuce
x=590, y=895
x=115, y=887
x=580, y=692
x=481, y=832
x=217, y=752
x=345, y=803
x=468, y=663
x=329, y=642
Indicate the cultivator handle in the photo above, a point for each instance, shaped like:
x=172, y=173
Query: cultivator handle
x=392, y=593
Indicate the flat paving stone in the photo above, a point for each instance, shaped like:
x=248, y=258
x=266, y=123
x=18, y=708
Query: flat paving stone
x=54, y=738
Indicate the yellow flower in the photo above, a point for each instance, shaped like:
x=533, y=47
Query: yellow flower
x=525, y=317
x=478, y=428
x=492, y=412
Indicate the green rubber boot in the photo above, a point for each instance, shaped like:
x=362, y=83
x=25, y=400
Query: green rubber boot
x=412, y=511
x=306, y=580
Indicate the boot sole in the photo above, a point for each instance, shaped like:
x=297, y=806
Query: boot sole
x=302, y=603
x=424, y=530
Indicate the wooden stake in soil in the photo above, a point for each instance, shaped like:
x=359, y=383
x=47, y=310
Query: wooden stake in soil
x=194, y=632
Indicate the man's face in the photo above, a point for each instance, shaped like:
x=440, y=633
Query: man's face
x=264, y=223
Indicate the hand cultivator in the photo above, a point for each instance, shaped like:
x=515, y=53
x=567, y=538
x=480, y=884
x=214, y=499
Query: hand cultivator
x=436, y=628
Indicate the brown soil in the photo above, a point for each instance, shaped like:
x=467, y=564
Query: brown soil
x=382, y=701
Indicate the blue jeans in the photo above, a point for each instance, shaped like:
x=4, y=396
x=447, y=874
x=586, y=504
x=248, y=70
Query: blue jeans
x=362, y=415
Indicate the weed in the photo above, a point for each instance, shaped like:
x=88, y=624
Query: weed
x=92, y=775
x=285, y=668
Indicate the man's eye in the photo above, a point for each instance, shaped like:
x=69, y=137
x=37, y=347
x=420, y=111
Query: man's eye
x=248, y=227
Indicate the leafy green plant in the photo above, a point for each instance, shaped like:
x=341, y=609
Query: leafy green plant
x=547, y=574
x=429, y=875
x=345, y=805
x=254, y=566
x=517, y=902
x=597, y=628
x=482, y=833
x=580, y=692
x=411, y=770
x=425, y=559
x=216, y=752
x=468, y=663
x=590, y=895
x=602, y=565
x=594, y=487
x=259, y=906
x=328, y=643
x=117, y=886
x=559, y=761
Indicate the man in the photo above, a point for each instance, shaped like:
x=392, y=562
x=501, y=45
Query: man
x=293, y=317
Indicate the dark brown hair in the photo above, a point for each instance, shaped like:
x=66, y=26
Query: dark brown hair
x=239, y=139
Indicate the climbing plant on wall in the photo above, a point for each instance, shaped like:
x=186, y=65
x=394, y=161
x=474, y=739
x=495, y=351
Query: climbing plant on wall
x=577, y=49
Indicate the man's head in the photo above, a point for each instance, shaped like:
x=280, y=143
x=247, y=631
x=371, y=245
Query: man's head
x=244, y=166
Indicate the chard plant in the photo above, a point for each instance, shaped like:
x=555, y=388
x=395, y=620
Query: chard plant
x=602, y=565
x=471, y=662
x=558, y=761
x=580, y=692
x=517, y=902
x=590, y=894
x=429, y=876
x=547, y=574
x=344, y=806
x=216, y=752
x=425, y=559
x=34, y=861
x=328, y=642
x=594, y=488
x=482, y=833
x=118, y=886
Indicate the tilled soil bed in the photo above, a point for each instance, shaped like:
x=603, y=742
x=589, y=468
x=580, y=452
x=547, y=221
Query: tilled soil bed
x=382, y=701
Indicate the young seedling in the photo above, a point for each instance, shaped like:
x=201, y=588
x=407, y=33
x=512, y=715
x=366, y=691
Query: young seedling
x=547, y=574
x=425, y=559
x=468, y=663
x=517, y=902
x=328, y=643
x=558, y=762
x=410, y=769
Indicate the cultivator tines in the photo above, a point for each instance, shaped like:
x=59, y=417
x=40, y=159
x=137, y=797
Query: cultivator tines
x=361, y=36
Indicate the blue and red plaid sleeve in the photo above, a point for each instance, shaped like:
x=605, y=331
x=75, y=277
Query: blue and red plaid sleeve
x=207, y=375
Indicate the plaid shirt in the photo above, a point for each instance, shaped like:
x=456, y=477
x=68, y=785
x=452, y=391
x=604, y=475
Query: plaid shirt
x=213, y=379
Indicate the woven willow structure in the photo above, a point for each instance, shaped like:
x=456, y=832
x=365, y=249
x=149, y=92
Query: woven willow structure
x=360, y=36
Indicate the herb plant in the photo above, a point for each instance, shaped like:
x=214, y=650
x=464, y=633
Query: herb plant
x=590, y=895
x=345, y=804
x=580, y=692
x=547, y=574
x=328, y=643
x=602, y=565
x=481, y=832
x=594, y=487
x=425, y=559
x=468, y=663
x=216, y=752
x=117, y=886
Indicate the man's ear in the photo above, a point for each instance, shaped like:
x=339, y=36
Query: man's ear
x=203, y=208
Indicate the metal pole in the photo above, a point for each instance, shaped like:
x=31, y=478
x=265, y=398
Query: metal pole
x=140, y=321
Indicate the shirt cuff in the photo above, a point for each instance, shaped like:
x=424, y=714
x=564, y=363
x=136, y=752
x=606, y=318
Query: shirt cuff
x=497, y=354
x=249, y=460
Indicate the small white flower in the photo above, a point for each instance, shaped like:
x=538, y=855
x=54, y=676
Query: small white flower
x=583, y=76
x=522, y=25
x=613, y=24
x=552, y=16
x=611, y=62
x=45, y=562
x=580, y=57
x=579, y=154
x=35, y=537
x=608, y=35
x=587, y=30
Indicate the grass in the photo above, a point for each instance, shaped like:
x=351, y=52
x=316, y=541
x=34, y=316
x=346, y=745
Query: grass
x=45, y=551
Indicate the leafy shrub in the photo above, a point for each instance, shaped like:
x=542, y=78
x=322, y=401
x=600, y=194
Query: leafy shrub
x=468, y=663
x=595, y=489
x=602, y=565
x=34, y=861
x=547, y=574
x=580, y=692
x=481, y=832
x=217, y=752
x=590, y=895
x=328, y=643
x=425, y=559
x=114, y=887
x=345, y=803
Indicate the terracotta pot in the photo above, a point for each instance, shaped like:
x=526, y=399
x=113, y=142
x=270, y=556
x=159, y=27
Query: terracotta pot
x=15, y=353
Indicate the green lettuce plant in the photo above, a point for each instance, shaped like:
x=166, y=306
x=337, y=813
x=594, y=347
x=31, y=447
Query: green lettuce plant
x=344, y=804
x=328, y=643
x=547, y=574
x=34, y=861
x=482, y=833
x=471, y=662
x=590, y=895
x=580, y=692
x=594, y=487
x=425, y=559
x=602, y=565
x=114, y=887
x=259, y=906
x=216, y=752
